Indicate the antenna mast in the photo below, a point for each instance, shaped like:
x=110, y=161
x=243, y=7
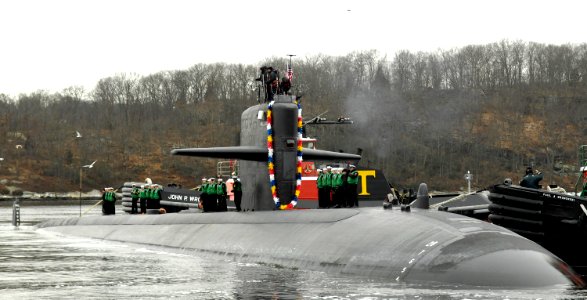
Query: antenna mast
x=289, y=68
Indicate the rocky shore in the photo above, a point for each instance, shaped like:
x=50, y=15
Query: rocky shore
x=50, y=198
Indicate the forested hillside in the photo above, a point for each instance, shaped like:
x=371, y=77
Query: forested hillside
x=421, y=117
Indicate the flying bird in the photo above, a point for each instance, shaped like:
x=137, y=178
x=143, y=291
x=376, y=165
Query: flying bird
x=78, y=135
x=90, y=165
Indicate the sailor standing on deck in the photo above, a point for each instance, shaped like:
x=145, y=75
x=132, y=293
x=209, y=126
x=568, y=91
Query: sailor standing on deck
x=155, y=202
x=134, y=194
x=205, y=197
x=337, y=196
x=149, y=194
x=353, y=180
x=272, y=83
x=203, y=183
x=284, y=86
x=264, y=78
x=202, y=188
x=344, y=194
x=221, y=194
x=143, y=199
x=108, y=201
x=320, y=187
x=237, y=190
x=210, y=204
x=327, y=186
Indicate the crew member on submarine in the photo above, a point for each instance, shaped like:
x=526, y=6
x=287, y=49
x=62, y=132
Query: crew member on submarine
x=320, y=187
x=108, y=201
x=353, y=180
x=202, y=188
x=211, y=199
x=221, y=193
x=237, y=190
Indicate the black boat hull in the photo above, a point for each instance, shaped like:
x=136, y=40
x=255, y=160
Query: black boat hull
x=554, y=220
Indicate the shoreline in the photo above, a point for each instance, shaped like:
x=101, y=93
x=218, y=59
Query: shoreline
x=8, y=201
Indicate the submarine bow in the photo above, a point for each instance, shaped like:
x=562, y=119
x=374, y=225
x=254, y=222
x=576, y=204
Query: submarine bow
x=417, y=246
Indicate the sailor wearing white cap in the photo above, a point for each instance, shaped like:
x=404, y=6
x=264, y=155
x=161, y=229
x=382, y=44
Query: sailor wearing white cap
x=320, y=186
x=203, y=188
x=353, y=180
x=210, y=199
x=108, y=201
x=327, y=185
x=237, y=190
x=221, y=195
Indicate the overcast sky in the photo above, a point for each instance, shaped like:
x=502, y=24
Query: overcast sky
x=54, y=44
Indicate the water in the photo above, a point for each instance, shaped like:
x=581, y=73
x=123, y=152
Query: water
x=35, y=264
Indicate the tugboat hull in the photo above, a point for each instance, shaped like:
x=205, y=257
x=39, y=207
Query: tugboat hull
x=554, y=220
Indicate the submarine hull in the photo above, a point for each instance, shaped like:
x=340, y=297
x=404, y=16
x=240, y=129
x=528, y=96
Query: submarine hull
x=411, y=246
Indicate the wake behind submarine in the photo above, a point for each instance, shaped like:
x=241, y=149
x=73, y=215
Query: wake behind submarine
x=414, y=244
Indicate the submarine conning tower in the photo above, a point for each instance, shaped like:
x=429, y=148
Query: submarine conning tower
x=256, y=185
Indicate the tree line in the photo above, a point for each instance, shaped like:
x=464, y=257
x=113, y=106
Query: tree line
x=420, y=117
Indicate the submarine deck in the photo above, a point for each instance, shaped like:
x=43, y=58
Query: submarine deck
x=420, y=245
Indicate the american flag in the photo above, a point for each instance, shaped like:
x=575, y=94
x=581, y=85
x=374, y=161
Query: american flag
x=289, y=73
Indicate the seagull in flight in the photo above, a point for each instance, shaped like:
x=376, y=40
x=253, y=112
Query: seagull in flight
x=78, y=135
x=90, y=165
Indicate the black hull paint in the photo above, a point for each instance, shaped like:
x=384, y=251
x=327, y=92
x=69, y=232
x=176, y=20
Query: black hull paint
x=553, y=220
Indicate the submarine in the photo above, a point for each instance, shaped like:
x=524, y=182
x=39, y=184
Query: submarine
x=407, y=244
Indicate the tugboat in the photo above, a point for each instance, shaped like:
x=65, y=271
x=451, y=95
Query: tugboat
x=554, y=219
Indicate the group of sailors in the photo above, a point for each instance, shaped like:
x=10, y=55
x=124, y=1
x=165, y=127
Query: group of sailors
x=214, y=194
x=271, y=83
x=395, y=197
x=148, y=195
x=108, y=201
x=337, y=187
